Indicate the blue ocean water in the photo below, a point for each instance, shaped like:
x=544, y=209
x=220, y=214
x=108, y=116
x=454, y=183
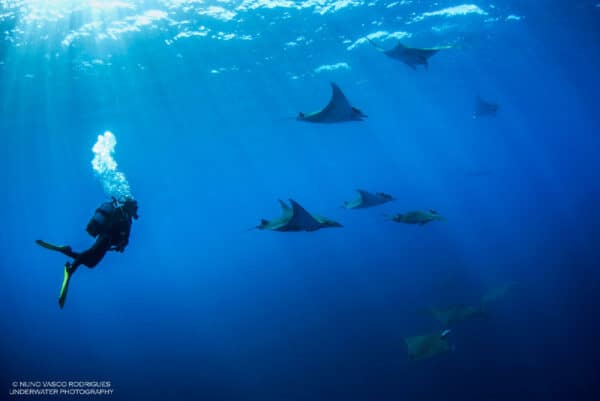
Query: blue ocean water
x=202, y=98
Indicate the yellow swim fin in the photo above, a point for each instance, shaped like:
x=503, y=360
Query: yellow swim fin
x=65, y=286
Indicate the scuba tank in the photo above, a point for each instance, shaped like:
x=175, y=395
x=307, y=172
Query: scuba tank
x=101, y=218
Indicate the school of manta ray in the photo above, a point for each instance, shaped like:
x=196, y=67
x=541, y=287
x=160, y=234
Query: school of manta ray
x=112, y=221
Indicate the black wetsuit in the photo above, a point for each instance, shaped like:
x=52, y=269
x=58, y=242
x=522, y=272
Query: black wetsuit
x=114, y=238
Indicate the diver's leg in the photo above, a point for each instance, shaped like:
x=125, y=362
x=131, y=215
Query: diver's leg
x=64, y=249
x=90, y=258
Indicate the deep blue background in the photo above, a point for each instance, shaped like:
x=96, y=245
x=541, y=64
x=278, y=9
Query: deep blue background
x=199, y=308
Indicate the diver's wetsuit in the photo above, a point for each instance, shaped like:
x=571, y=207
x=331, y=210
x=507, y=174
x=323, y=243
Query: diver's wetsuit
x=115, y=238
x=90, y=257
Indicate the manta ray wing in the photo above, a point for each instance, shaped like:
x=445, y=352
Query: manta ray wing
x=286, y=211
x=301, y=220
x=426, y=53
x=338, y=108
x=278, y=224
x=397, y=51
x=362, y=195
x=426, y=346
x=281, y=222
x=355, y=203
x=367, y=198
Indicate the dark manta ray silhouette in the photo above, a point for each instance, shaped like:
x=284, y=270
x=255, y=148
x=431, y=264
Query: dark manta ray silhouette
x=367, y=199
x=420, y=217
x=411, y=56
x=296, y=218
x=428, y=345
x=453, y=314
x=484, y=108
x=338, y=110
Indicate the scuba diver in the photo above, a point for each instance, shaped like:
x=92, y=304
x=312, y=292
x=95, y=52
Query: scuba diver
x=110, y=225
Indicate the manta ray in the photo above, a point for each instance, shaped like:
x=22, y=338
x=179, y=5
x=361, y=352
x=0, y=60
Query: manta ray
x=497, y=293
x=338, y=110
x=367, y=199
x=411, y=56
x=427, y=346
x=483, y=108
x=420, y=217
x=450, y=315
x=296, y=218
